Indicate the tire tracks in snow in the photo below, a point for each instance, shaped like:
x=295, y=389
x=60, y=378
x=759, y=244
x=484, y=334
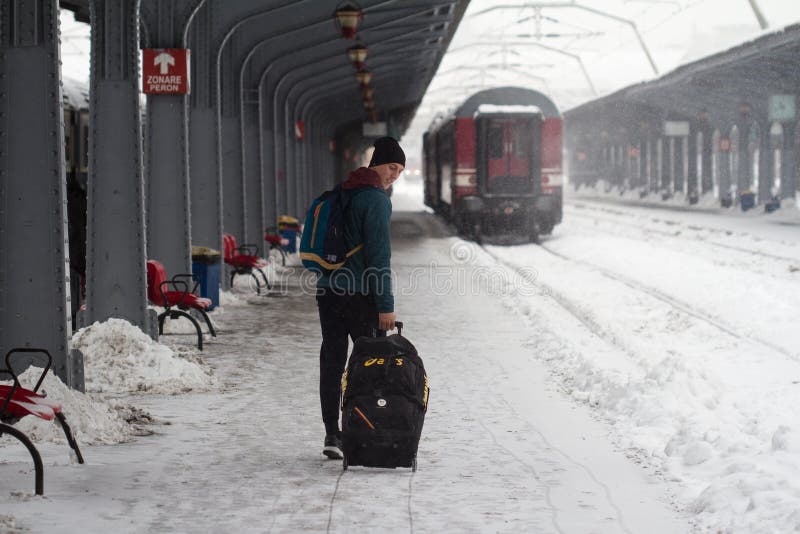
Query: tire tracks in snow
x=333, y=499
x=528, y=467
x=336, y=491
x=606, y=490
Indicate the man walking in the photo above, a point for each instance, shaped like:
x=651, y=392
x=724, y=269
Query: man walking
x=357, y=300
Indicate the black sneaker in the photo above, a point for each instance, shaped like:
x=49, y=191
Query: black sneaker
x=333, y=447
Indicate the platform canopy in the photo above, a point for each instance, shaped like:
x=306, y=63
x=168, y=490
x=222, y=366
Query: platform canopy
x=404, y=40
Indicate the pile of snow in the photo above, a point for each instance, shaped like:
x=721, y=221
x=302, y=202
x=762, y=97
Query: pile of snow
x=738, y=473
x=9, y=524
x=714, y=412
x=229, y=298
x=120, y=358
x=93, y=420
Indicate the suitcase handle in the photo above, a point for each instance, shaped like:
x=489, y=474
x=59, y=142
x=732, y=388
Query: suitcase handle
x=399, y=326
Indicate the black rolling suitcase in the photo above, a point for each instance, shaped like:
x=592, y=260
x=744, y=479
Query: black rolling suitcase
x=384, y=400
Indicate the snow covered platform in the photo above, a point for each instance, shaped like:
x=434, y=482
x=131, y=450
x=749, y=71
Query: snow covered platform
x=638, y=372
x=502, y=450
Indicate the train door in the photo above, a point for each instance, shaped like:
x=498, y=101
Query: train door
x=512, y=148
x=445, y=141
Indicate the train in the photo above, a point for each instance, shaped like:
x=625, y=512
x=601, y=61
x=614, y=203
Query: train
x=75, y=106
x=494, y=166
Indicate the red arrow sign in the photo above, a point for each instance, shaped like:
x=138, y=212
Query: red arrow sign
x=166, y=71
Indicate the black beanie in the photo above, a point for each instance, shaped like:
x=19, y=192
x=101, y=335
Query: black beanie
x=387, y=151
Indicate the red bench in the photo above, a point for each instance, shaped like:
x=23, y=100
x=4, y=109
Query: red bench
x=176, y=298
x=19, y=402
x=244, y=260
x=277, y=243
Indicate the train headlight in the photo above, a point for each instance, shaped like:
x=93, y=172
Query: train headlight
x=465, y=179
x=508, y=208
x=553, y=180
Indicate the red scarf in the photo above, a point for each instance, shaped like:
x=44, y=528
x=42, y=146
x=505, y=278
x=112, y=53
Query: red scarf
x=362, y=177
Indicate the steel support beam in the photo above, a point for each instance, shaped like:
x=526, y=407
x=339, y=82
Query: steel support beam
x=167, y=147
x=789, y=181
x=116, y=281
x=34, y=283
x=204, y=151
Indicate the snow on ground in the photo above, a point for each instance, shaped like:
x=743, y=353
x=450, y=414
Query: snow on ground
x=118, y=357
x=92, y=419
x=679, y=328
x=638, y=372
x=502, y=449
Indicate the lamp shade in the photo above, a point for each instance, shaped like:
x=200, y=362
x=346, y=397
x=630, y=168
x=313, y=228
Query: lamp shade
x=348, y=17
x=357, y=54
x=363, y=76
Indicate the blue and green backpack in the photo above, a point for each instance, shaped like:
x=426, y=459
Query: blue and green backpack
x=322, y=246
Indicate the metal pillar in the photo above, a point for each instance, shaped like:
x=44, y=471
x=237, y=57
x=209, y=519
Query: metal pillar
x=204, y=156
x=726, y=180
x=232, y=190
x=167, y=149
x=693, y=170
x=641, y=183
x=766, y=166
x=679, y=175
x=706, y=179
x=651, y=165
x=664, y=159
x=34, y=294
x=269, y=180
x=789, y=180
x=251, y=157
x=116, y=280
x=745, y=165
x=231, y=148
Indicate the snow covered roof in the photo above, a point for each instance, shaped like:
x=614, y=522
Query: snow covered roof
x=485, y=109
x=763, y=65
x=75, y=92
x=508, y=96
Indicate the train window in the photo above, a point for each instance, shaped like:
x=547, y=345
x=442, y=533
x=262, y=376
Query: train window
x=444, y=142
x=495, y=141
x=522, y=140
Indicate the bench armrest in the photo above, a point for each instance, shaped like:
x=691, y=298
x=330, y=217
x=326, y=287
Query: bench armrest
x=24, y=350
x=249, y=249
x=193, y=277
x=177, y=284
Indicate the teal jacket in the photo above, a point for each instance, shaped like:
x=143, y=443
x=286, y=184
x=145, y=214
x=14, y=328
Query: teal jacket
x=367, y=221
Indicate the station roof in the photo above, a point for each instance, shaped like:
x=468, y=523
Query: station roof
x=406, y=38
x=747, y=73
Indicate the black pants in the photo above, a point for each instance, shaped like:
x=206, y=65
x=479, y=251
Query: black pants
x=340, y=316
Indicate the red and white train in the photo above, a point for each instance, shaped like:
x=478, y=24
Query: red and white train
x=494, y=167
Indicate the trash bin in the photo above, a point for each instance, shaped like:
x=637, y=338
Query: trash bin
x=206, y=268
x=773, y=204
x=289, y=228
x=747, y=200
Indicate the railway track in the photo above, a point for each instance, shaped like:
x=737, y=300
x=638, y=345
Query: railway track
x=585, y=317
x=666, y=233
